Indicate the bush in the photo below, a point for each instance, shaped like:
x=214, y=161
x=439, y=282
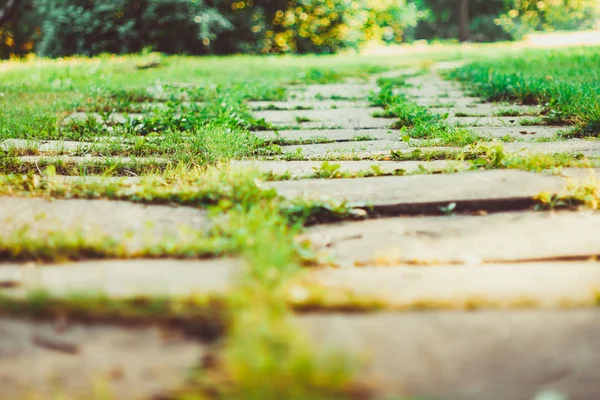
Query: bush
x=123, y=26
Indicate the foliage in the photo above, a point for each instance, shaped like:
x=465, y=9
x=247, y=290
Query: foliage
x=441, y=16
x=503, y=19
x=525, y=16
x=203, y=26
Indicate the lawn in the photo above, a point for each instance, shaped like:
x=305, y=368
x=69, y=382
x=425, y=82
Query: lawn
x=185, y=118
x=565, y=82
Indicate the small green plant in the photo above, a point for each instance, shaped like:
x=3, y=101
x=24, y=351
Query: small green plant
x=302, y=119
x=327, y=170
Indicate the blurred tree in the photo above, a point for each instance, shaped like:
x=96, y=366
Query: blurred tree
x=524, y=16
x=463, y=20
x=6, y=10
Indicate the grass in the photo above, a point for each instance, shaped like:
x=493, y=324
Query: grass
x=567, y=89
x=418, y=122
x=196, y=119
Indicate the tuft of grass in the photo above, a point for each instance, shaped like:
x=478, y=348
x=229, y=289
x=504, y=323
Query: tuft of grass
x=567, y=90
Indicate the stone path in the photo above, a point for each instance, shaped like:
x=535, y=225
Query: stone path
x=497, y=254
x=442, y=239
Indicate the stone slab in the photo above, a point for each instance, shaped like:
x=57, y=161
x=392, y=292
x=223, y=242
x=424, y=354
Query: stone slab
x=341, y=91
x=588, y=148
x=79, y=117
x=492, y=355
x=303, y=169
x=325, y=104
x=90, y=159
x=348, y=118
x=581, y=174
x=338, y=135
x=122, y=278
x=521, y=133
x=114, y=218
x=112, y=119
x=488, y=121
x=452, y=286
x=487, y=109
x=45, y=146
x=360, y=148
x=420, y=193
x=501, y=237
x=465, y=101
x=132, y=363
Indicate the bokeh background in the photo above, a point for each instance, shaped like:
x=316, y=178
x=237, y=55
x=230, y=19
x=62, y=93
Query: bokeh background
x=67, y=27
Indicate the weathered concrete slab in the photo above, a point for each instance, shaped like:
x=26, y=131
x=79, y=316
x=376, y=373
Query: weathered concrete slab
x=45, y=146
x=348, y=118
x=465, y=101
x=325, y=104
x=451, y=286
x=122, y=278
x=487, y=109
x=488, y=121
x=588, y=148
x=524, y=133
x=338, y=135
x=113, y=218
x=359, y=148
x=396, y=73
x=112, y=119
x=334, y=91
x=500, y=189
x=44, y=360
x=303, y=169
x=78, y=117
x=67, y=159
x=463, y=239
x=493, y=355
x=581, y=174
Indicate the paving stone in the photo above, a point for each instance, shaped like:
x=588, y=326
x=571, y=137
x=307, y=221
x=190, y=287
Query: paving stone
x=43, y=359
x=45, y=146
x=77, y=117
x=325, y=104
x=488, y=121
x=486, y=109
x=91, y=160
x=581, y=174
x=334, y=91
x=349, y=118
x=120, y=118
x=492, y=355
x=302, y=169
x=502, y=237
x=118, y=278
x=435, y=101
x=499, y=189
x=588, y=148
x=395, y=73
x=118, y=219
x=367, y=147
x=522, y=133
x=338, y=135
x=500, y=285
